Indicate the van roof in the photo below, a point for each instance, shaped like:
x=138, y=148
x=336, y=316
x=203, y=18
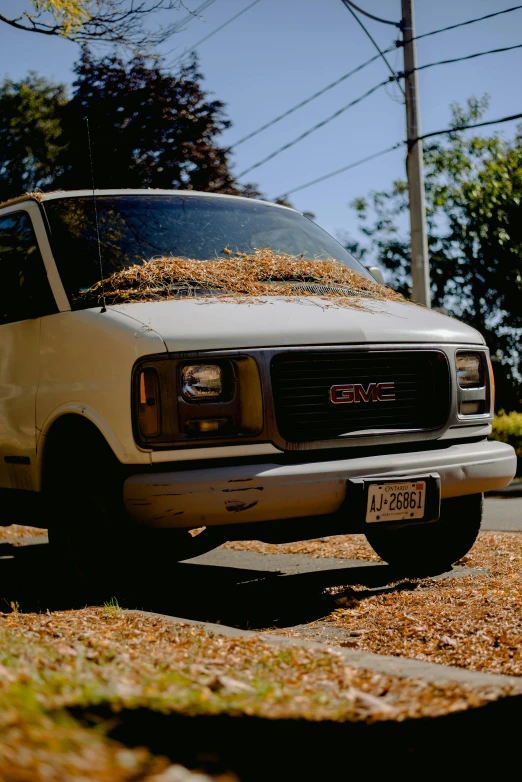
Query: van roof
x=41, y=197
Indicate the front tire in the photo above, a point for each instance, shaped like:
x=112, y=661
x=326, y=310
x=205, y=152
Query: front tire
x=92, y=539
x=419, y=549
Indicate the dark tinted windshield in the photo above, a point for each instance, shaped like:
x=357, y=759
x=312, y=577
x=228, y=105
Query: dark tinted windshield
x=136, y=228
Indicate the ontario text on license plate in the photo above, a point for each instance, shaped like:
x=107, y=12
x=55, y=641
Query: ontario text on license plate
x=396, y=501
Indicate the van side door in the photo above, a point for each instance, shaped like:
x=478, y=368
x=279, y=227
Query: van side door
x=25, y=296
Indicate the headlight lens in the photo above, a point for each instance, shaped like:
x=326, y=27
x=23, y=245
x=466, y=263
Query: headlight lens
x=202, y=381
x=470, y=370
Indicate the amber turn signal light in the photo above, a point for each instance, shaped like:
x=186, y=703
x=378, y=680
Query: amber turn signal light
x=149, y=403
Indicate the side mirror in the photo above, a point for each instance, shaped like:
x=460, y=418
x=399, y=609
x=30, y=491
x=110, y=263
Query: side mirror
x=376, y=274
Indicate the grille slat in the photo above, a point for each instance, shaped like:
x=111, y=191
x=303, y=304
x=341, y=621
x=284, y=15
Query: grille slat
x=301, y=386
x=341, y=376
x=315, y=389
x=403, y=402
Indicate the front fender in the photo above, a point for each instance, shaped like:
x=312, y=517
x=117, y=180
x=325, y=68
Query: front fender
x=138, y=456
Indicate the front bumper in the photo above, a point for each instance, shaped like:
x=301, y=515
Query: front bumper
x=244, y=494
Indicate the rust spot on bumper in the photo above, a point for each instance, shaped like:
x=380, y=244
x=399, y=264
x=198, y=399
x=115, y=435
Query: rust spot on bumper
x=235, y=506
x=171, y=493
x=247, y=488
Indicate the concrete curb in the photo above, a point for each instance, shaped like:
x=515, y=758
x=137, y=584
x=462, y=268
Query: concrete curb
x=434, y=673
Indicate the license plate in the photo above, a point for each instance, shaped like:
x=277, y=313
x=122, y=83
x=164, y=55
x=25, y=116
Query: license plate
x=396, y=501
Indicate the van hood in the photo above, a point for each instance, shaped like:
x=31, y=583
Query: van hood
x=214, y=324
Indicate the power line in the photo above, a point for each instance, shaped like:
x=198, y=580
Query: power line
x=348, y=6
x=467, y=57
x=373, y=89
x=314, y=128
x=371, y=16
x=469, y=21
x=366, y=159
x=217, y=30
x=176, y=28
x=308, y=100
x=340, y=170
x=359, y=68
x=469, y=127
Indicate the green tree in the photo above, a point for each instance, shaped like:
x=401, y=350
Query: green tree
x=31, y=138
x=120, y=22
x=148, y=129
x=473, y=195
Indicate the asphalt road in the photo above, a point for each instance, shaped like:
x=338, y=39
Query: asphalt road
x=503, y=514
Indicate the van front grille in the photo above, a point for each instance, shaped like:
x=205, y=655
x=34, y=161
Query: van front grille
x=302, y=382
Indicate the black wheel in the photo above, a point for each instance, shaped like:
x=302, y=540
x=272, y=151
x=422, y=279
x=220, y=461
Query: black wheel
x=93, y=540
x=434, y=547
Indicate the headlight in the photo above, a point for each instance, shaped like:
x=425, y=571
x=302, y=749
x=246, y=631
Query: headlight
x=202, y=381
x=475, y=384
x=178, y=403
x=470, y=370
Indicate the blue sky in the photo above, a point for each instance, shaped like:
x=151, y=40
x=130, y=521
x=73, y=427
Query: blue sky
x=280, y=51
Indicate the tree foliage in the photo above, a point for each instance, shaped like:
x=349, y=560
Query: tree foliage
x=473, y=195
x=120, y=22
x=148, y=129
x=508, y=429
x=31, y=139
x=70, y=14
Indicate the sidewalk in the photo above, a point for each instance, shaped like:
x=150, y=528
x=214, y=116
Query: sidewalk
x=403, y=667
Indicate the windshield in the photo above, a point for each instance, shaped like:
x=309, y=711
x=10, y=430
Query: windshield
x=136, y=228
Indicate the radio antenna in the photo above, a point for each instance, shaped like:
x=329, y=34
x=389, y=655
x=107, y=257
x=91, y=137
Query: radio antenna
x=104, y=306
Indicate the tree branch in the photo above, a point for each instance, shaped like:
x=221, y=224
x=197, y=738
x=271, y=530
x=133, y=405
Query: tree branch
x=119, y=22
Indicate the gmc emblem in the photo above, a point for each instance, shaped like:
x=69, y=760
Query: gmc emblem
x=355, y=392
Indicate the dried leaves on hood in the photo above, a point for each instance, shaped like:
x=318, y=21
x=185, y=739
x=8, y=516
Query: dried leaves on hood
x=261, y=274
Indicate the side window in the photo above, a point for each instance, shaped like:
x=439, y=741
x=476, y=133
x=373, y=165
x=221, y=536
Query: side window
x=24, y=288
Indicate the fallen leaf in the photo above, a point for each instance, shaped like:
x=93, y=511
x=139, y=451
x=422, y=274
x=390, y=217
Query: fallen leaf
x=230, y=684
x=6, y=675
x=371, y=701
x=65, y=649
x=449, y=641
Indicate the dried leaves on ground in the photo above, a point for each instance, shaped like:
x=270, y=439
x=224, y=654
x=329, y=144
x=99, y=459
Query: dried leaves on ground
x=107, y=655
x=50, y=663
x=247, y=276
x=472, y=620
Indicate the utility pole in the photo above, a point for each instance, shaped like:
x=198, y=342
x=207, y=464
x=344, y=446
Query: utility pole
x=414, y=165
